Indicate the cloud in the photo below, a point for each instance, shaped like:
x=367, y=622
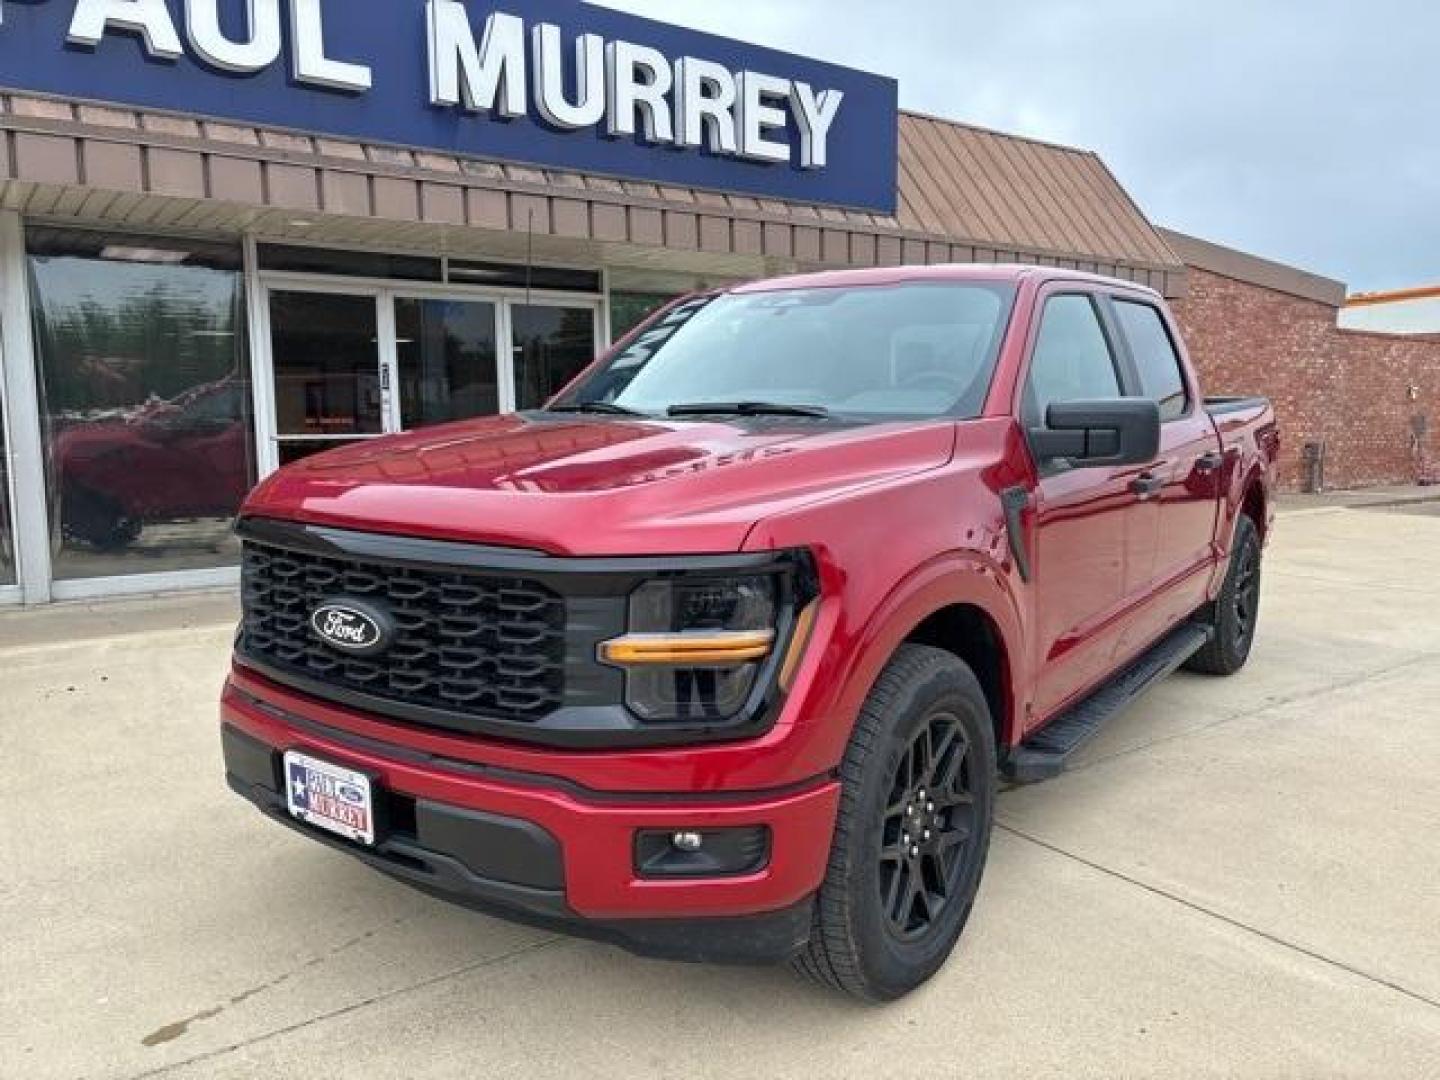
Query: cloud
x=1302, y=131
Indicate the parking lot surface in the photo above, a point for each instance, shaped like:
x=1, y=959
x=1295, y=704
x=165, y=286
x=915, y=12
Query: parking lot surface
x=1242, y=879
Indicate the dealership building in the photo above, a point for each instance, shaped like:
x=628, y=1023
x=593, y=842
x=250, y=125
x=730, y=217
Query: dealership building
x=233, y=234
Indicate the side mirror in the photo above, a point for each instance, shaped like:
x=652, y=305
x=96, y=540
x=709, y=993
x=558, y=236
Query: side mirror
x=1113, y=432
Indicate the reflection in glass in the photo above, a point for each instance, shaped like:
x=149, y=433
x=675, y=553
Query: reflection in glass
x=145, y=399
x=327, y=370
x=447, y=354
x=293, y=451
x=552, y=346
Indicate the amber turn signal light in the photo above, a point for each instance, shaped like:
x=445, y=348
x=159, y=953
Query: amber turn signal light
x=799, y=640
x=689, y=649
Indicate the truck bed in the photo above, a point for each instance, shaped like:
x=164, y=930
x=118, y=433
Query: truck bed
x=1222, y=406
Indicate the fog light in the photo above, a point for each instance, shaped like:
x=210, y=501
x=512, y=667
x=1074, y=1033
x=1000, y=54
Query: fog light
x=701, y=853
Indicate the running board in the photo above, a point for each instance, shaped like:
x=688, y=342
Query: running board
x=1047, y=753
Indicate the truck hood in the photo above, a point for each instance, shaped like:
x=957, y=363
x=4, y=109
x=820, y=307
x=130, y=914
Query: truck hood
x=597, y=486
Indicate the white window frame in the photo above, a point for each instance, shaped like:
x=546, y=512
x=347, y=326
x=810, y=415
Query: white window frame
x=30, y=513
x=10, y=592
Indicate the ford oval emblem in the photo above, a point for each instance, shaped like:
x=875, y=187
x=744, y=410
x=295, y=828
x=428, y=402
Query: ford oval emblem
x=352, y=627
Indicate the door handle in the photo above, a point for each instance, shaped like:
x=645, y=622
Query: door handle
x=1148, y=486
x=1210, y=463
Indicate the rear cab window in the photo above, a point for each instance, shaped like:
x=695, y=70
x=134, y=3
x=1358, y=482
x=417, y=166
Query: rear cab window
x=1156, y=358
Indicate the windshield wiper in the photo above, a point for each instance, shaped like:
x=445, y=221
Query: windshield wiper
x=748, y=408
x=600, y=408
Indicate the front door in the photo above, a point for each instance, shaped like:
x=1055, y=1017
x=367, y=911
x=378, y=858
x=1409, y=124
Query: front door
x=350, y=363
x=327, y=382
x=1085, y=517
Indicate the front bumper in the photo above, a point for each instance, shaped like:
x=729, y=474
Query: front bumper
x=543, y=851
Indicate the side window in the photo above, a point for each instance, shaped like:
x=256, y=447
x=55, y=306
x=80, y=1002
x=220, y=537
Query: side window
x=1155, y=356
x=1072, y=360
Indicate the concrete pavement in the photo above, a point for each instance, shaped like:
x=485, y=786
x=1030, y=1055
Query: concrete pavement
x=1242, y=879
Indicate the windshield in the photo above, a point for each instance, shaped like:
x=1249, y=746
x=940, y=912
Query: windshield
x=916, y=350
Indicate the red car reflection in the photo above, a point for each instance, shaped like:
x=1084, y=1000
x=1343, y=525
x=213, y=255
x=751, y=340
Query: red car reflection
x=185, y=458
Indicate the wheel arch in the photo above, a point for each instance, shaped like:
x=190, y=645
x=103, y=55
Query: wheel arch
x=964, y=605
x=968, y=632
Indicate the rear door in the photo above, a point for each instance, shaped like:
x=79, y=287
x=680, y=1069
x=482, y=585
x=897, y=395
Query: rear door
x=1086, y=518
x=1180, y=487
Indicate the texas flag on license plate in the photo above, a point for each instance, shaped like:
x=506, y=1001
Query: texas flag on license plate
x=330, y=797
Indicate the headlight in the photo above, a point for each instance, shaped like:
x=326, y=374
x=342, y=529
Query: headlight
x=696, y=646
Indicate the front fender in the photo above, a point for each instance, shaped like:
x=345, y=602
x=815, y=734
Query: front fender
x=958, y=578
x=862, y=642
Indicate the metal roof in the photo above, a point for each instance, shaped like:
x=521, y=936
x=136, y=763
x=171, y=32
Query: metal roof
x=1253, y=270
x=964, y=181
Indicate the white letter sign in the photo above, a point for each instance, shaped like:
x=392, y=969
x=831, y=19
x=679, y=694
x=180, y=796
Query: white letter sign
x=202, y=24
x=148, y=18
x=311, y=64
x=488, y=78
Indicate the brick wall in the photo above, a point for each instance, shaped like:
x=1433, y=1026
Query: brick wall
x=1349, y=390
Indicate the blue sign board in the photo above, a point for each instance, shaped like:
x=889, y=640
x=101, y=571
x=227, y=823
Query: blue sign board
x=553, y=83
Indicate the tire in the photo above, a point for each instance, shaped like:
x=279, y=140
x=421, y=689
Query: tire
x=925, y=725
x=1235, y=615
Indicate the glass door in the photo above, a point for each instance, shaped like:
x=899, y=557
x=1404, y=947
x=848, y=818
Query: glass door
x=352, y=362
x=550, y=345
x=327, y=374
x=447, y=360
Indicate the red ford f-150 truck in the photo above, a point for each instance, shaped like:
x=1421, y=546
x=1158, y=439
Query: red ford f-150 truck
x=723, y=654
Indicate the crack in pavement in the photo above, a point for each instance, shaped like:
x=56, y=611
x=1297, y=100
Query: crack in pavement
x=353, y=1007
x=1275, y=939
x=172, y=1031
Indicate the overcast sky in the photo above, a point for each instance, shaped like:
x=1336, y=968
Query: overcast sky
x=1304, y=130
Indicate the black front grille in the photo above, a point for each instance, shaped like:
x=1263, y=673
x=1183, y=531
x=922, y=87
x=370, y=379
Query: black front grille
x=466, y=644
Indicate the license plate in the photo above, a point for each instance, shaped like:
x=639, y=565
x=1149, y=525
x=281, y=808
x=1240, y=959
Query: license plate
x=330, y=797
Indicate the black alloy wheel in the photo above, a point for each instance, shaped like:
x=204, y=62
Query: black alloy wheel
x=927, y=827
x=1247, y=595
x=1234, y=618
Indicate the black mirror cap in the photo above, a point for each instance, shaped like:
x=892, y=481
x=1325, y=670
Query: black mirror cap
x=1111, y=432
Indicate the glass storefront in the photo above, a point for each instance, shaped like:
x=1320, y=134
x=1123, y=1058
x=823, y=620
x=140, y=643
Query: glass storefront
x=551, y=346
x=145, y=400
x=143, y=373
